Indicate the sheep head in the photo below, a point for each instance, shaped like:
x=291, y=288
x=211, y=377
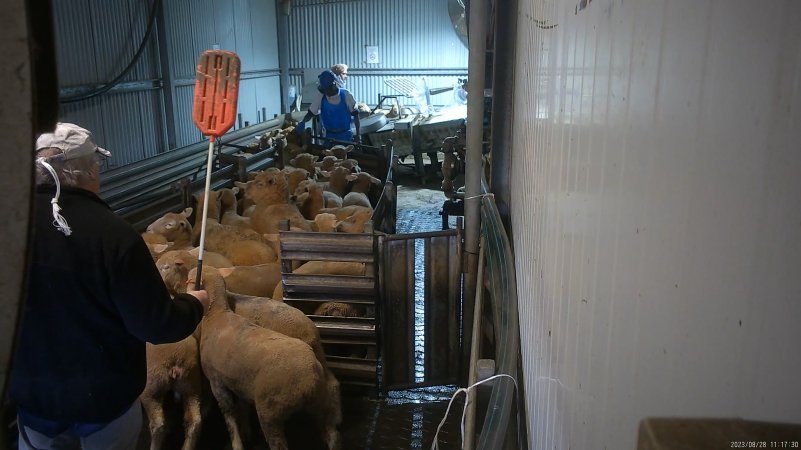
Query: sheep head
x=173, y=226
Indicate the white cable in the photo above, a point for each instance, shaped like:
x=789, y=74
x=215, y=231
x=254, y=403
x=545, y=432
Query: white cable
x=435, y=444
x=58, y=220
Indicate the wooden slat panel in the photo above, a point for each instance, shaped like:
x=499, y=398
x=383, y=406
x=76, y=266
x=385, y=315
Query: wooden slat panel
x=347, y=340
x=442, y=312
x=347, y=242
x=329, y=284
x=313, y=255
x=367, y=300
x=352, y=368
x=397, y=263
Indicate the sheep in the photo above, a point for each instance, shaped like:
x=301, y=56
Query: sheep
x=157, y=244
x=337, y=309
x=352, y=218
x=270, y=192
x=175, y=227
x=337, y=180
x=346, y=211
x=305, y=161
x=279, y=374
x=328, y=163
x=356, y=198
x=363, y=182
x=311, y=200
x=340, y=151
x=228, y=209
x=292, y=322
x=350, y=164
x=175, y=368
x=356, y=222
x=325, y=223
x=242, y=247
x=174, y=266
x=294, y=175
x=330, y=199
x=212, y=213
x=257, y=280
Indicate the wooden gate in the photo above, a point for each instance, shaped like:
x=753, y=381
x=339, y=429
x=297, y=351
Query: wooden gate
x=421, y=292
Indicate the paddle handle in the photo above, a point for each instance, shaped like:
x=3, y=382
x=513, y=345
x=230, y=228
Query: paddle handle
x=209, y=161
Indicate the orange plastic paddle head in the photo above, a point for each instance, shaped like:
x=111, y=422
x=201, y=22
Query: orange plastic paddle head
x=216, y=92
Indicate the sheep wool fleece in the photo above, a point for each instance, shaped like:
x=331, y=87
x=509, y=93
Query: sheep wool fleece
x=93, y=299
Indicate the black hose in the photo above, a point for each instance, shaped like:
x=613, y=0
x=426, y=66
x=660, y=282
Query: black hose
x=106, y=87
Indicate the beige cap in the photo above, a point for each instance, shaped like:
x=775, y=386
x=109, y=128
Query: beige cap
x=72, y=140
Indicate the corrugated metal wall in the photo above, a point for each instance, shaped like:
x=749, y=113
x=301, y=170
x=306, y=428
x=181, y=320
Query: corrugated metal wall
x=414, y=38
x=656, y=215
x=96, y=39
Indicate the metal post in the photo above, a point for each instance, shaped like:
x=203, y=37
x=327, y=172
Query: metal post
x=503, y=109
x=477, y=33
x=282, y=22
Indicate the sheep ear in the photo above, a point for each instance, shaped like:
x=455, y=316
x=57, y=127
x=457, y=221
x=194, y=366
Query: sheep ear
x=158, y=249
x=351, y=177
x=240, y=185
x=187, y=212
x=235, y=189
x=374, y=180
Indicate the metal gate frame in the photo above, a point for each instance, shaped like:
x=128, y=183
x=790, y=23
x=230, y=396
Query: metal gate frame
x=442, y=303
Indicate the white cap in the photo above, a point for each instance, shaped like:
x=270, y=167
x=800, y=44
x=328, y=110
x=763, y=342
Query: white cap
x=73, y=141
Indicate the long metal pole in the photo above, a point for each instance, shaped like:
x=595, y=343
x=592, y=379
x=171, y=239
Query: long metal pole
x=282, y=23
x=477, y=33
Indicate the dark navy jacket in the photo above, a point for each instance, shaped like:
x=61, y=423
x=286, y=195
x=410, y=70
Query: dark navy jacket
x=93, y=299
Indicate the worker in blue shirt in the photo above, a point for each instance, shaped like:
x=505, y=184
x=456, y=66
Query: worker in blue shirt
x=336, y=109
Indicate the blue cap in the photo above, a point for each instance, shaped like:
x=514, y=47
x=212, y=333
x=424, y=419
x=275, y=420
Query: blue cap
x=327, y=78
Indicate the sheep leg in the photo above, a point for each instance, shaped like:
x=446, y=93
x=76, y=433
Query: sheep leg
x=272, y=427
x=327, y=423
x=334, y=396
x=227, y=402
x=190, y=390
x=155, y=419
x=192, y=422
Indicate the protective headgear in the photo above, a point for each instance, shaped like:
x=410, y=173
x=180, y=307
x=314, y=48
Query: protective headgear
x=326, y=79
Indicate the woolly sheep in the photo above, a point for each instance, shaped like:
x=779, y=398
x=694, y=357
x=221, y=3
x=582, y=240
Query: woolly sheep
x=260, y=371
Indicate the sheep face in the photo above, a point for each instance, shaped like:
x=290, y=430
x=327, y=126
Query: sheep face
x=173, y=226
x=174, y=271
x=267, y=188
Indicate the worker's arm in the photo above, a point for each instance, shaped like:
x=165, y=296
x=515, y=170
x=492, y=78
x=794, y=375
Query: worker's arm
x=355, y=114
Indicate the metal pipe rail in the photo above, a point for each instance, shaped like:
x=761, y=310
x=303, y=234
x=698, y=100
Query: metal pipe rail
x=143, y=191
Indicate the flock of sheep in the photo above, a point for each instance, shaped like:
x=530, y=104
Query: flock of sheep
x=251, y=348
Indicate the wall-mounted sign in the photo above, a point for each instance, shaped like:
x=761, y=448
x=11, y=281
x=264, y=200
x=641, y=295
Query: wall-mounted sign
x=371, y=54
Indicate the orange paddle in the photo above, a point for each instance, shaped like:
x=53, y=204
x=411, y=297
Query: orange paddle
x=214, y=112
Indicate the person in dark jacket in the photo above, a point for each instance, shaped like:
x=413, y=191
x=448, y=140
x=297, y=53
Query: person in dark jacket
x=336, y=108
x=94, y=297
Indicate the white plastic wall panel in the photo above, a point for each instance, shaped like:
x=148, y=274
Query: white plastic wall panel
x=413, y=37
x=655, y=214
